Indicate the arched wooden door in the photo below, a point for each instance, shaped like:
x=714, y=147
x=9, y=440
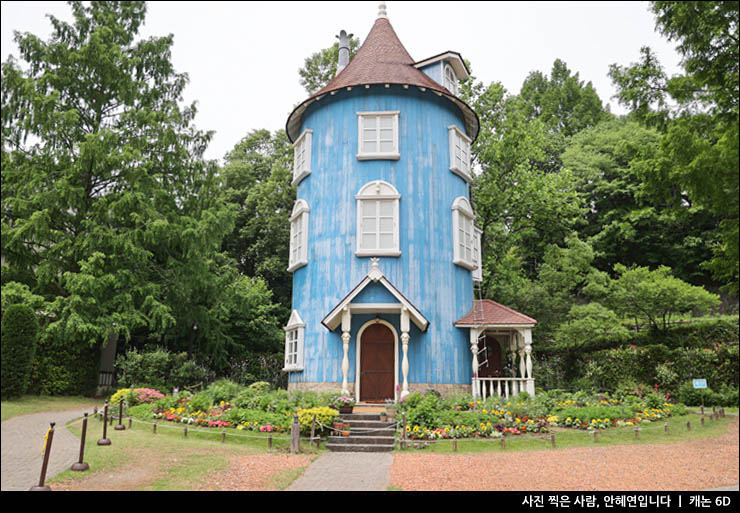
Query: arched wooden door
x=377, y=363
x=491, y=364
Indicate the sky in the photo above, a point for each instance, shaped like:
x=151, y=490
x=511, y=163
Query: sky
x=243, y=58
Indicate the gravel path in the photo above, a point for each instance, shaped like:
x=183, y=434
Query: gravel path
x=346, y=471
x=694, y=465
x=22, y=440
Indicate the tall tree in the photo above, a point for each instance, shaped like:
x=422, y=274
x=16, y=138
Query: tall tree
x=321, y=67
x=105, y=192
x=698, y=150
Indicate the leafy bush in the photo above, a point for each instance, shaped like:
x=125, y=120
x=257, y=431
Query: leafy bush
x=20, y=329
x=725, y=396
x=199, y=402
x=223, y=390
x=324, y=418
x=159, y=369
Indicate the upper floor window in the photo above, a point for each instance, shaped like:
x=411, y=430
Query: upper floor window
x=302, y=157
x=459, y=153
x=298, y=236
x=294, y=332
x=377, y=135
x=466, y=254
x=377, y=220
x=450, y=79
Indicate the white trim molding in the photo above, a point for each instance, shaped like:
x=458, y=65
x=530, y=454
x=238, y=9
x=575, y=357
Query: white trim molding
x=302, y=157
x=294, y=333
x=449, y=79
x=378, y=225
x=460, y=153
x=298, y=256
x=377, y=135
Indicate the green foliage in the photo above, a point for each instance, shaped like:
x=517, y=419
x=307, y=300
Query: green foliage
x=20, y=329
x=200, y=402
x=321, y=67
x=159, y=368
x=14, y=293
x=223, y=390
x=726, y=396
x=587, y=323
x=324, y=418
x=657, y=295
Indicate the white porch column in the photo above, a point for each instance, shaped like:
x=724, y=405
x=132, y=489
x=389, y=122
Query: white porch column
x=346, y=326
x=512, y=354
x=405, y=346
x=527, y=340
x=474, y=334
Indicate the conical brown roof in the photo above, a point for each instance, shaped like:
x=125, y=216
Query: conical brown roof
x=382, y=59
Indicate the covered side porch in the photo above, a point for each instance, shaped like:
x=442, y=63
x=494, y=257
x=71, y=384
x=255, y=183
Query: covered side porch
x=501, y=347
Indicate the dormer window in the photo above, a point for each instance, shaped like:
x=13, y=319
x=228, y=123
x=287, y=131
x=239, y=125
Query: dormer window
x=450, y=79
x=460, y=153
x=377, y=135
x=302, y=157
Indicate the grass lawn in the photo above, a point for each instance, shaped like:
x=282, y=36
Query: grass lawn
x=139, y=459
x=649, y=433
x=41, y=403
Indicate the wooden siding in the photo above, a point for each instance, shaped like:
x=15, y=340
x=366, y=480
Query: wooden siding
x=424, y=273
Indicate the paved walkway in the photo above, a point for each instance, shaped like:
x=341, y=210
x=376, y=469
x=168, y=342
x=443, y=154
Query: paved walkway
x=346, y=472
x=22, y=440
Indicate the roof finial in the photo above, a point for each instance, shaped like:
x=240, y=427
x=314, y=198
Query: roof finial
x=381, y=11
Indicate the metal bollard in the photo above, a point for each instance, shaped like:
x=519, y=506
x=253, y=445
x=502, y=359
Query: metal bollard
x=81, y=465
x=105, y=440
x=120, y=426
x=41, y=487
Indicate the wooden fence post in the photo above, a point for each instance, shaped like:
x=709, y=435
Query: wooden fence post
x=666, y=429
x=688, y=425
x=454, y=444
x=154, y=427
x=552, y=440
x=295, y=435
x=637, y=433
x=120, y=426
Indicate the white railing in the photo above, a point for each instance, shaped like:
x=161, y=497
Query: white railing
x=502, y=387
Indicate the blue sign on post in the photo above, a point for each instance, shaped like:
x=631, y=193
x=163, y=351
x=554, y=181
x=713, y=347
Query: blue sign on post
x=700, y=383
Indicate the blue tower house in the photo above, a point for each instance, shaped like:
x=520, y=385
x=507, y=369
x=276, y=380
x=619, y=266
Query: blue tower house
x=384, y=250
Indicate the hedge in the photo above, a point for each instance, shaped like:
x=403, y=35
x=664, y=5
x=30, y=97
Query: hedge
x=20, y=329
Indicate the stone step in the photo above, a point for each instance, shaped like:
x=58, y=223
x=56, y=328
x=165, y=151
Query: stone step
x=349, y=417
x=359, y=447
x=369, y=424
x=358, y=439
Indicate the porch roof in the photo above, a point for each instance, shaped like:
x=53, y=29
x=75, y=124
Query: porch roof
x=488, y=313
x=375, y=275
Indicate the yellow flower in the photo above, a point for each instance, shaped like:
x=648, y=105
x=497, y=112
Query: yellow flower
x=408, y=428
x=485, y=411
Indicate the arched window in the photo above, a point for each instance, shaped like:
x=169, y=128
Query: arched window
x=377, y=220
x=298, y=235
x=302, y=156
x=465, y=235
x=450, y=79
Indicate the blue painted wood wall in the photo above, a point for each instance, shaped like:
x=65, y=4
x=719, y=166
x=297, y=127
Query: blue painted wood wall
x=424, y=273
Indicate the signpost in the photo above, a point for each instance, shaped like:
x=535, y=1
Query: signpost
x=699, y=384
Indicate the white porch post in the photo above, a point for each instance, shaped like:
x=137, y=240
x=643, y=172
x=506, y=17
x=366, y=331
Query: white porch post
x=474, y=334
x=346, y=326
x=405, y=346
x=527, y=340
x=512, y=354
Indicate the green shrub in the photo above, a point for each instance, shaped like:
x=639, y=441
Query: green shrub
x=223, y=390
x=141, y=411
x=20, y=329
x=324, y=418
x=199, y=402
x=159, y=369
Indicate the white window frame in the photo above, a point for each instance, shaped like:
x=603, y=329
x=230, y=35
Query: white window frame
x=362, y=118
x=477, y=255
x=463, y=220
x=294, y=334
x=298, y=256
x=302, y=157
x=378, y=192
x=450, y=84
x=460, y=142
